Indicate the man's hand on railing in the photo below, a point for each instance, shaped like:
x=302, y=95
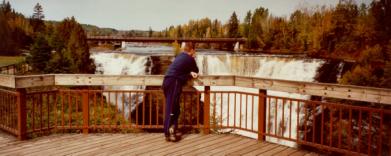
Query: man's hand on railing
x=193, y=74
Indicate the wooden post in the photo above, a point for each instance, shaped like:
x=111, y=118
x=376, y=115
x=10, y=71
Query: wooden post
x=22, y=115
x=206, y=109
x=262, y=115
x=86, y=114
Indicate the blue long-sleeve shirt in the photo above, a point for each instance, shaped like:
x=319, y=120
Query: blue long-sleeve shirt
x=181, y=67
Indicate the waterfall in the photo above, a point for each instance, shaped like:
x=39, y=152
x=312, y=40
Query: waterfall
x=122, y=64
x=274, y=67
x=134, y=61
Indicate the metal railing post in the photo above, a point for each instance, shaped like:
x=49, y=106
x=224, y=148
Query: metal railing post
x=206, y=110
x=22, y=115
x=86, y=114
x=262, y=115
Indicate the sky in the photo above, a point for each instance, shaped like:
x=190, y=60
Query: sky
x=157, y=14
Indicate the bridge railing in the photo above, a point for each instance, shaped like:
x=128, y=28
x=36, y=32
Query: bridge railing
x=327, y=126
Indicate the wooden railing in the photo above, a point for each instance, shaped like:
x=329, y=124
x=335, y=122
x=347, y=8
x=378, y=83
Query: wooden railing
x=327, y=126
x=15, y=69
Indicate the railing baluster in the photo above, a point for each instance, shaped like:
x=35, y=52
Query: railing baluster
x=70, y=109
x=214, y=111
x=261, y=115
x=331, y=127
x=48, y=109
x=41, y=111
x=228, y=97
x=252, y=113
x=246, y=110
x=157, y=109
x=240, y=110
x=234, y=110
x=102, y=113
x=379, y=152
x=275, y=116
x=282, y=118
x=198, y=110
x=369, y=132
x=130, y=109
x=150, y=109
x=340, y=128
x=86, y=111
x=359, y=130
x=305, y=120
x=350, y=130
x=22, y=115
x=313, y=121
x=63, y=111
x=184, y=110
x=322, y=126
x=116, y=111
x=297, y=122
x=206, y=109
x=221, y=110
x=290, y=118
x=95, y=111
x=109, y=110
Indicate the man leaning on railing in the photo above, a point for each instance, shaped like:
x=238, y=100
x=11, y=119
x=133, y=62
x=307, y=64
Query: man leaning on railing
x=177, y=74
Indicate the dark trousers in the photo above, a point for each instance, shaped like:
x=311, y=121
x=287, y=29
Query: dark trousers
x=172, y=91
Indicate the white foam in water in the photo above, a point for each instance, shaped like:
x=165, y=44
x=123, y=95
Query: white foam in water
x=287, y=68
x=121, y=64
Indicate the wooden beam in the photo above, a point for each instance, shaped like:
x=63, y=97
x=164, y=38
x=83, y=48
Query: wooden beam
x=358, y=93
x=7, y=81
x=107, y=80
x=34, y=81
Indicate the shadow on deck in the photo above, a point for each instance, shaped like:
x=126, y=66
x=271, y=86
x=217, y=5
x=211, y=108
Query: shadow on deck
x=142, y=144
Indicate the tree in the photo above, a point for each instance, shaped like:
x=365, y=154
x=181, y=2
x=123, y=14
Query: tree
x=40, y=54
x=38, y=12
x=247, y=24
x=233, y=26
x=70, y=42
x=37, y=19
x=150, y=32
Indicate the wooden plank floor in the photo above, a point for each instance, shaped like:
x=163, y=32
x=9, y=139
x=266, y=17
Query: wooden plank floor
x=141, y=144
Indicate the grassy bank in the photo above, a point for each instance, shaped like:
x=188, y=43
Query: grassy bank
x=8, y=60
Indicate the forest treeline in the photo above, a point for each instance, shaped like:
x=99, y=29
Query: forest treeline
x=348, y=31
x=358, y=32
x=50, y=47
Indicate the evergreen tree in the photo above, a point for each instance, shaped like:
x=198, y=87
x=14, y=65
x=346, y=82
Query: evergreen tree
x=70, y=42
x=233, y=26
x=38, y=12
x=150, y=32
x=37, y=19
x=40, y=54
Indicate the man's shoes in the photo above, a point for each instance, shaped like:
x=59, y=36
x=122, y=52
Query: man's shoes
x=172, y=134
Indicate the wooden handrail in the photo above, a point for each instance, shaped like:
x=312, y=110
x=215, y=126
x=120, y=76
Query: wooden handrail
x=349, y=92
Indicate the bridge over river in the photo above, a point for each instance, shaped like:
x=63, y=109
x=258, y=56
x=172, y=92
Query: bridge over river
x=237, y=42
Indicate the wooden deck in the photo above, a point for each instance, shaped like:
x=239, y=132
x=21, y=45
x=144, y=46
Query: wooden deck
x=141, y=144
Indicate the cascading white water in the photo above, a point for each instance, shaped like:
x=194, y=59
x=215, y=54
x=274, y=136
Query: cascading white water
x=133, y=62
x=121, y=64
x=275, y=67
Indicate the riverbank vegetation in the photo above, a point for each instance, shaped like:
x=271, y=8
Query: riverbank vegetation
x=51, y=47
